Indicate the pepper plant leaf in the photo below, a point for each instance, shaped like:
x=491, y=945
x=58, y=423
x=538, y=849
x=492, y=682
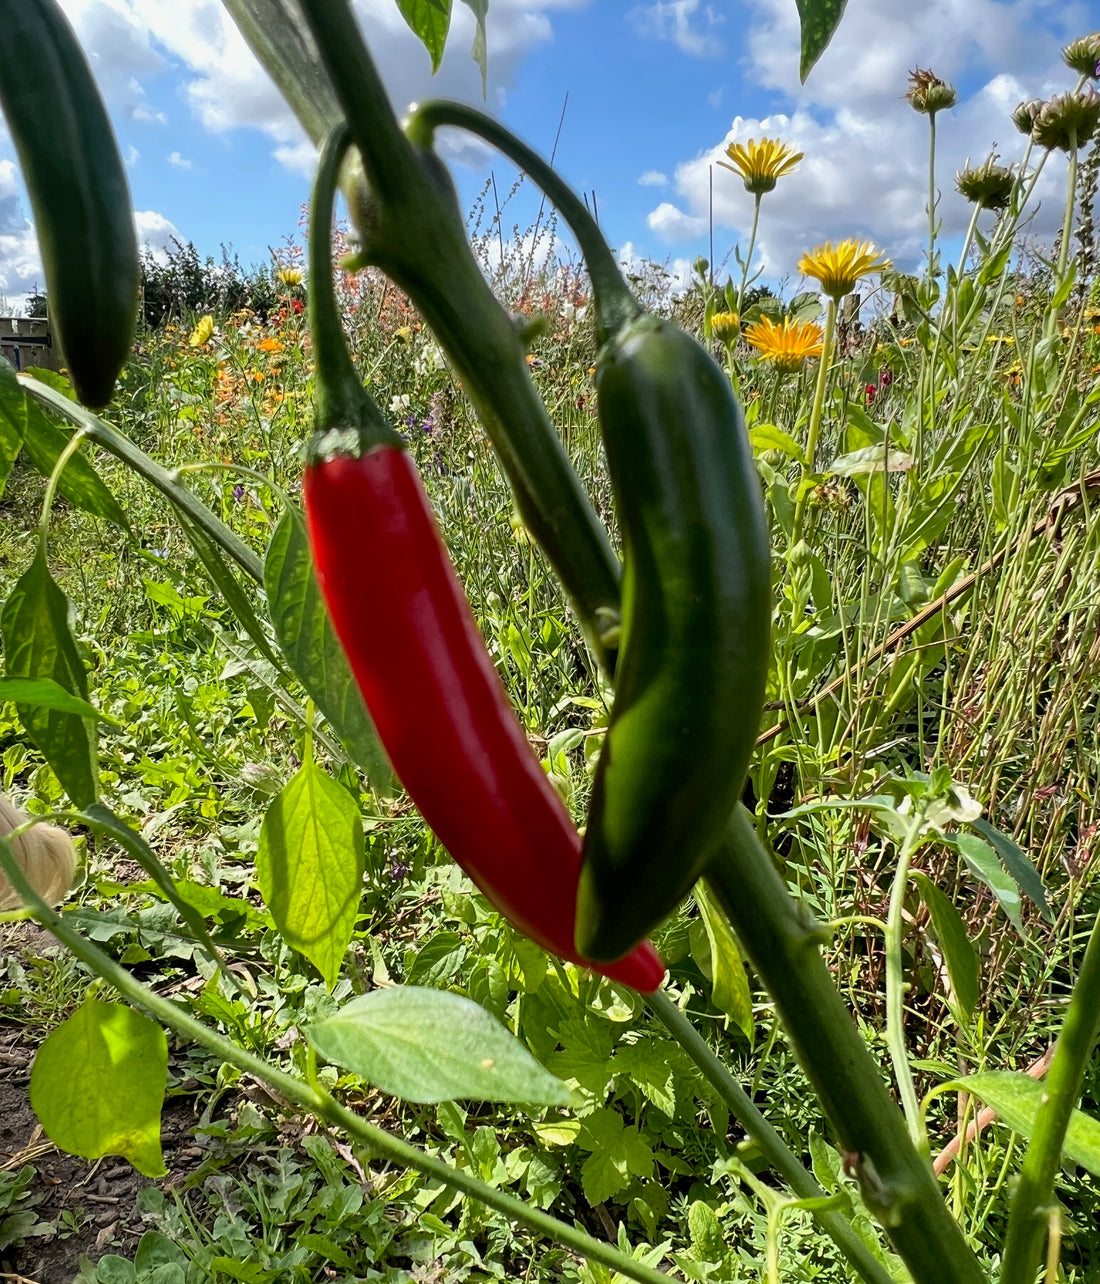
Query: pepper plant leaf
x=430, y=20
x=312, y=649
x=310, y=867
x=729, y=985
x=97, y=1085
x=43, y=442
x=39, y=644
x=1017, y=864
x=819, y=19
x=45, y=693
x=431, y=1045
x=13, y=421
x=1016, y=1098
x=958, y=953
x=982, y=862
x=480, y=49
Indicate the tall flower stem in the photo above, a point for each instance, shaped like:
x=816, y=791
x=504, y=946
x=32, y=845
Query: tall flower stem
x=782, y=941
x=1031, y=1207
x=931, y=194
x=748, y=256
x=895, y=985
x=817, y=410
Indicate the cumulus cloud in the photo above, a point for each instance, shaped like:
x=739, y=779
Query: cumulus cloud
x=20, y=264
x=672, y=224
x=179, y=162
x=865, y=167
x=690, y=26
x=653, y=178
x=155, y=232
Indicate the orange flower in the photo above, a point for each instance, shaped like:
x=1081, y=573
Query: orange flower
x=270, y=345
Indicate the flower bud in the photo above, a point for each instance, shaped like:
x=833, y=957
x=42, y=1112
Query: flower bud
x=1068, y=121
x=1024, y=115
x=929, y=94
x=1083, y=55
x=726, y=327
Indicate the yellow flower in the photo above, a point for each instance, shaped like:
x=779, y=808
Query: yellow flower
x=201, y=334
x=761, y=164
x=787, y=345
x=726, y=327
x=838, y=267
x=290, y=275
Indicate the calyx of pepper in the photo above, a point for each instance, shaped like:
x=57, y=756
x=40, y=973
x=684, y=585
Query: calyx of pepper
x=347, y=419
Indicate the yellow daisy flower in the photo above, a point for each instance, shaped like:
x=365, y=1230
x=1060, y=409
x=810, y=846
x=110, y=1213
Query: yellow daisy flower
x=787, y=345
x=838, y=267
x=290, y=275
x=761, y=164
x=202, y=333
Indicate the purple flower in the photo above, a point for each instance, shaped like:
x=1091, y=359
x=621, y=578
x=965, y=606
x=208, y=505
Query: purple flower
x=238, y=493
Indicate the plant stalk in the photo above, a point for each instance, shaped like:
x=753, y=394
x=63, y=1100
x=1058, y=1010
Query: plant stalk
x=813, y=433
x=931, y=194
x=1031, y=1208
x=896, y=987
x=315, y=1100
x=776, y=1152
x=748, y=256
x=782, y=940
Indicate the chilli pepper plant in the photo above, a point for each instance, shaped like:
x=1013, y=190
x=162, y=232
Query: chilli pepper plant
x=355, y=626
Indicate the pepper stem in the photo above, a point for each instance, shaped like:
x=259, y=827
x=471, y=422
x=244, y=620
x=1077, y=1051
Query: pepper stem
x=615, y=304
x=347, y=416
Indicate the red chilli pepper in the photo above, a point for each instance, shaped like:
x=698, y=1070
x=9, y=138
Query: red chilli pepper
x=405, y=623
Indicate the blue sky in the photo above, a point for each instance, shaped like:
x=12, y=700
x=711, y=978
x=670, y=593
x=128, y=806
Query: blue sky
x=656, y=89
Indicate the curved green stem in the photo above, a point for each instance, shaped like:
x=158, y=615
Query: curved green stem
x=615, y=304
x=895, y=986
x=412, y=228
x=778, y=1155
x=782, y=940
x=1071, y=204
x=71, y=447
x=1029, y=1215
x=315, y=1101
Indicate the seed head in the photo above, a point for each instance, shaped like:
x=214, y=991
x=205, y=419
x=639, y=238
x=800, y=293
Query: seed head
x=1083, y=55
x=1067, y=121
x=1024, y=115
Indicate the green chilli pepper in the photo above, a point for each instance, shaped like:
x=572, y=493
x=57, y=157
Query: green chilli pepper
x=78, y=191
x=696, y=597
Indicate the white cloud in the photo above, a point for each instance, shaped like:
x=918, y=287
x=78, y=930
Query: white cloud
x=672, y=224
x=132, y=156
x=146, y=116
x=20, y=264
x=154, y=231
x=865, y=171
x=653, y=178
x=179, y=162
x=691, y=27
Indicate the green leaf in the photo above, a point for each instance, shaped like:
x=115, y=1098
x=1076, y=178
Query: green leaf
x=13, y=421
x=43, y=442
x=97, y=1085
x=38, y=643
x=958, y=953
x=310, y=866
x=982, y=862
x=771, y=437
x=312, y=648
x=430, y=20
x=729, y=983
x=432, y=1045
x=872, y=459
x=45, y=693
x=1018, y=866
x=619, y=1154
x=819, y=19
x=479, y=51
x=1016, y=1098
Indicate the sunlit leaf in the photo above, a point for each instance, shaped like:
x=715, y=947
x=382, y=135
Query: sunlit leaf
x=1016, y=1098
x=432, y=1045
x=729, y=983
x=38, y=644
x=430, y=20
x=310, y=867
x=819, y=19
x=97, y=1085
x=982, y=862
